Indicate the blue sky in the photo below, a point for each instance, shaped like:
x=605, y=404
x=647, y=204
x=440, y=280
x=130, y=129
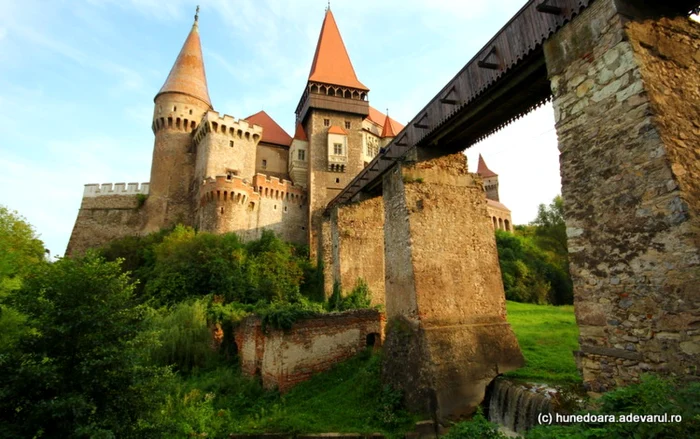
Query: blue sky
x=77, y=81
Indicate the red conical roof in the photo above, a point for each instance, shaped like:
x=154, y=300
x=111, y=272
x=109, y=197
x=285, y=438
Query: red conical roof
x=331, y=61
x=272, y=132
x=387, y=129
x=300, y=134
x=484, y=170
x=187, y=75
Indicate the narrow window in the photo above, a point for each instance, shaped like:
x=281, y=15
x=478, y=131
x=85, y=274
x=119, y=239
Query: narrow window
x=326, y=122
x=174, y=108
x=301, y=154
x=230, y=143
x=347, y=124
x=338, y=148
x=337, y=180
x=190, y=111
x=264, y=164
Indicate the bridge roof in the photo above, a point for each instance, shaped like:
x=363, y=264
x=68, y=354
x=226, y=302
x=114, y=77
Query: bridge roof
x=332, y=63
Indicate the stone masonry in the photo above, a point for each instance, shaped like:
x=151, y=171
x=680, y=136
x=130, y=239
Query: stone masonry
x=626, y=88
x=357, y=233
x=446, y=336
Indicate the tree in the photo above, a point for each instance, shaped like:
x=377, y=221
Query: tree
x=550, y=228
x=20, y=248
x=82, y=370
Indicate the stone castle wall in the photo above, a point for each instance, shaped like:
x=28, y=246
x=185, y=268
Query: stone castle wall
x=324, y=185
x=627, y=107
x=285, y=358
x=225, y=144
x=229, y=204
x=107, y=212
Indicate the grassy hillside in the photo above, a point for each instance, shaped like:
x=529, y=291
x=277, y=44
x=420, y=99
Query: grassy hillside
x=547, y=335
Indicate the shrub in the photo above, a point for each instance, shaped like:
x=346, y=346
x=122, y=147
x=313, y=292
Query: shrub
x=478, y=427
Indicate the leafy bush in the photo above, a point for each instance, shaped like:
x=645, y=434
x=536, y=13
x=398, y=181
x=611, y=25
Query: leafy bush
x=359, y=298
x=82, y=370
x=478, y=427
x=652, y=396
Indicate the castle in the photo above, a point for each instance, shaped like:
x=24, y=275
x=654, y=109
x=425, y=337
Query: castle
x=222, y=174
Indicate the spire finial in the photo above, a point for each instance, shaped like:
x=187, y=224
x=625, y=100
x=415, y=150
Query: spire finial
x=328, y=8
x=196, y=14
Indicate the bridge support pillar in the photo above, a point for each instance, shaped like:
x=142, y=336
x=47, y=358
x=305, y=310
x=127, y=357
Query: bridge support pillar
x=357, y=245
x=627, y=110
x=446, y=335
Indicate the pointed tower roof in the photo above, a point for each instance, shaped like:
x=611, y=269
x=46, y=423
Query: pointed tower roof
x=484, y=170
x=387, y=129
x=187, y=75
x=272, y=132
x=332, y=63
x=300, y=134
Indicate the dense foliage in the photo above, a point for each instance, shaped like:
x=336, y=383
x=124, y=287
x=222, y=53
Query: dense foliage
x=653, y=396
x=81, y=370
x=534, y=259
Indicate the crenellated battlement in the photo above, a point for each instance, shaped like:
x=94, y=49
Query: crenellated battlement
x=226, y=189
x=174, y=123
x=273, y=187
x=213, y=122
x=97, y=190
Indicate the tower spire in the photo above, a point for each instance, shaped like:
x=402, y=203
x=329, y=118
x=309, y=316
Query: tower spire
x=187, y=75
x=332, y=63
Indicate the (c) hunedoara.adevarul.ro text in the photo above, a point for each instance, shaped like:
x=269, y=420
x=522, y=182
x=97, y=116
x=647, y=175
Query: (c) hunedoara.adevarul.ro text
x=594, y=418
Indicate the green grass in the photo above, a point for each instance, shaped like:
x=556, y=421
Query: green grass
x=548, y=335
x=349, y=398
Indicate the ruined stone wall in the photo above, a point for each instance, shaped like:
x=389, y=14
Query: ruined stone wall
x=285, y=358
x=627, y=106
x=447, y=336
x=323, y=186
x=106, y=214
x=357, y=234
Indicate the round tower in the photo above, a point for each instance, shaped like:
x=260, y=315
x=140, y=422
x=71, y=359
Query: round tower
x=180, y=105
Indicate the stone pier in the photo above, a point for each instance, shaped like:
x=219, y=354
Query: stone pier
x=446, y=335
x=357, y=237
x=626, y=86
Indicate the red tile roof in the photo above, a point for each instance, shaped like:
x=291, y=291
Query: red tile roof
x=387, y=129
x=484, y=170
x=187, y=75
x=300, y=134
x=379, y=118
x=332, y=63
x=272, y=132
x=335, y=129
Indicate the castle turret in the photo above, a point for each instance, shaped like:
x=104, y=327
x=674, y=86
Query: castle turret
x=490, y=180
x=179, y=107
x=331, y=111
x=388, y=132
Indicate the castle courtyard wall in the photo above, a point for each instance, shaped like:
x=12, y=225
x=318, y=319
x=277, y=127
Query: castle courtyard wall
x=627, y=106
x=285, y=358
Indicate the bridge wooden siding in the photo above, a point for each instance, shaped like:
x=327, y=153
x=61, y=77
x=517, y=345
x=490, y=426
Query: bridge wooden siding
x=518, y=42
